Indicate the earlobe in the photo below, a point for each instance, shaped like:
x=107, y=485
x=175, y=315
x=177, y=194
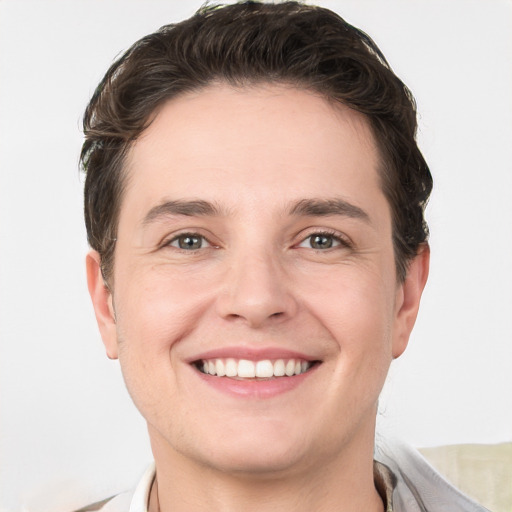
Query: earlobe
x=408, y=299
x=102, y=302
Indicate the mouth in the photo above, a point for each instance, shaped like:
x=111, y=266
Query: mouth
x=246, y=369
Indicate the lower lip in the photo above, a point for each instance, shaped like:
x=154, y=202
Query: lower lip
x=250, y=388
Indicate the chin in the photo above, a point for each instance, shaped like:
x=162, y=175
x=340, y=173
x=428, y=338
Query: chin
x=263, y=450
x=266, y=460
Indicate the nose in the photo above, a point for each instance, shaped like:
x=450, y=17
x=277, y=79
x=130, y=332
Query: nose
x=256, y=291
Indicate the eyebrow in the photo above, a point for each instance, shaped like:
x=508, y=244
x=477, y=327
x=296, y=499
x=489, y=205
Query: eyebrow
x=195, y=208
x=326, y=207
x=304, y=207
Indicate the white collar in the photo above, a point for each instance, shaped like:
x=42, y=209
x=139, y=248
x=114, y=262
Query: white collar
x=140, y=498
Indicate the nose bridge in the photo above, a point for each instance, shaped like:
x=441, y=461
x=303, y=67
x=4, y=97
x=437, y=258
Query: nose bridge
x=256, y=288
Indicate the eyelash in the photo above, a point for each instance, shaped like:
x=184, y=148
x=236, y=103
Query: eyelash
x=340, y=241
x=169, y=243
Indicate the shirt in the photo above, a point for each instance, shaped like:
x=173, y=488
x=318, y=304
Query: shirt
x=403, y=478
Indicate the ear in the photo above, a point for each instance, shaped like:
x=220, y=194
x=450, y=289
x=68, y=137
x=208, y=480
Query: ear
x=102, y=302
x=408, y=299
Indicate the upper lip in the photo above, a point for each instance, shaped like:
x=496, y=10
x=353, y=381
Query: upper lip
x=251, y=354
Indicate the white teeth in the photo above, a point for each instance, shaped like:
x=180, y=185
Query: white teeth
x=279, y=368
x=246, y=369
x=264, y=369
x=231, y=368
x=290, y=368
x=220, y=368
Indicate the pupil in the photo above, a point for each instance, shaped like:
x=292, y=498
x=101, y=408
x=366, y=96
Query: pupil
x=190, y=242
x=321, y=242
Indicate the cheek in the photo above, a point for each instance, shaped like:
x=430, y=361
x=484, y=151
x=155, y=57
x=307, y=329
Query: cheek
x=156, y=309
x=356, y=308
x=352, y=304
x=153, y=316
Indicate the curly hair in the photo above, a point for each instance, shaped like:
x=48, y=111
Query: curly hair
x=248, y=43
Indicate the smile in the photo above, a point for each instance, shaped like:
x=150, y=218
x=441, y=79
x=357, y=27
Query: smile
x=247, y=369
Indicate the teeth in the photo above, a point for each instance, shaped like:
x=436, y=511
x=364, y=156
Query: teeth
x=279, y=368
x=264, y=369
x=246, y=369
x=220, y=368
x=231, y=368
x=289, y=369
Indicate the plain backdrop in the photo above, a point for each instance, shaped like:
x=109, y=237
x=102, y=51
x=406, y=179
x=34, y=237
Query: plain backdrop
x=68, y=431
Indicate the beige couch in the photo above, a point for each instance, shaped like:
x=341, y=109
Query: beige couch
x=483, y=472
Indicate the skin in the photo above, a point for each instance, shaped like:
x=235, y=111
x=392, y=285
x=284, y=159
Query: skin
x=257, y=282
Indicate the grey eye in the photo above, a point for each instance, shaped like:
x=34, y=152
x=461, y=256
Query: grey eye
x=321, y=241
x=188, y=242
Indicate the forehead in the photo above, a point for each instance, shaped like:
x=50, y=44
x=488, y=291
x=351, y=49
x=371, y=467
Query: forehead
x=252, y=144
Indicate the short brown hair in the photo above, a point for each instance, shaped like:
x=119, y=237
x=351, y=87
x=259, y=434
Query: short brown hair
x=246, y=43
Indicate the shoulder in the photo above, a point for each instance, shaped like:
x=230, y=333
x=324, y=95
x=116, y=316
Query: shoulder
x=117, y=503
x=131, y=501
x=418, y=486
x=94, y=506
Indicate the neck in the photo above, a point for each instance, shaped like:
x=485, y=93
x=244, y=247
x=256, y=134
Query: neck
x=341, y=484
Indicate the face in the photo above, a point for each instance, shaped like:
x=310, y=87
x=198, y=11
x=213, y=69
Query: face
x=256, y=308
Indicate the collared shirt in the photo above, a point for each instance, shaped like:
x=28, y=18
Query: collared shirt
x=403, y=478
x=138, y=500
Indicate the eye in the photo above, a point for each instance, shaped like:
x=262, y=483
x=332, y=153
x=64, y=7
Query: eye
x=321, y=241
x=189, y=242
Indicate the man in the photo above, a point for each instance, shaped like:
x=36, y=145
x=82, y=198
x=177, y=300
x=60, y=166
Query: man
x=254, y=202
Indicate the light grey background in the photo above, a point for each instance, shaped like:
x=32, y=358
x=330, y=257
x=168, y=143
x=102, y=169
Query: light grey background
x=68, y=432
